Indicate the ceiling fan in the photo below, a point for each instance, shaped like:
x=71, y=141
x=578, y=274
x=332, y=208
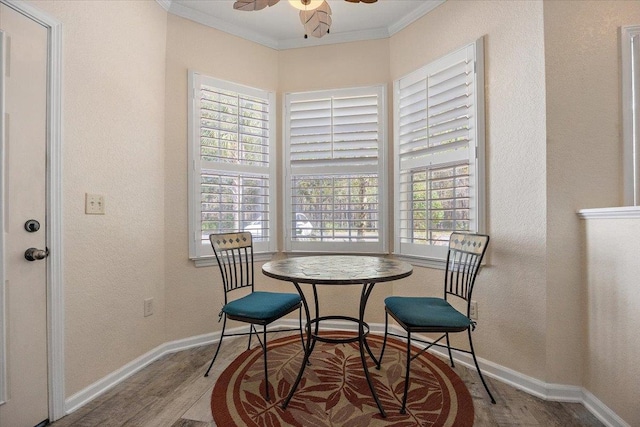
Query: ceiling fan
x=315, y=15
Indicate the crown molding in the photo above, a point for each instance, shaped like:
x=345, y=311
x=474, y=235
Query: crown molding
x=298, y=42
x=213, y=22
x=410, y=18
x=351, y=36
x=165, y=4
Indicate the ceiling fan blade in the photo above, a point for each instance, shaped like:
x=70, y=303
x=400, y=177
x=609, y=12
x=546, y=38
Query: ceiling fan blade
x=363, y=1
x=250, y=5
x=317, y=22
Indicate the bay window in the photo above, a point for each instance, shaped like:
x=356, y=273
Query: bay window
x=439, y=154
x=231, y=174
x=335, y=199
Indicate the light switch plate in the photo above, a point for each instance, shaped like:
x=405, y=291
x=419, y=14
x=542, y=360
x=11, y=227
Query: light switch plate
x=94, y=204
x=148, y=307
x=473, y=312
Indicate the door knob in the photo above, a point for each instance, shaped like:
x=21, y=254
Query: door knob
x=33, y=254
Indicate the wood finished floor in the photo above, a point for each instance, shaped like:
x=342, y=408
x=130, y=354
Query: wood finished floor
x=173, y=392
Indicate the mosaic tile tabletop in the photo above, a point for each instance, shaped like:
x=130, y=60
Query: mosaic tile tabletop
x=337, y=269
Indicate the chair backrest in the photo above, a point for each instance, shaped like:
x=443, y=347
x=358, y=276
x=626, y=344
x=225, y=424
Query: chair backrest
x=234, y=253
x=463, y=262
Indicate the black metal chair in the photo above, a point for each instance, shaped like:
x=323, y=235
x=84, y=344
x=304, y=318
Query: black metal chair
x=426, y=314
x=234, y=253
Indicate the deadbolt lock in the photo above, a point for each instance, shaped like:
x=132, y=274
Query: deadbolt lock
x=32, y=226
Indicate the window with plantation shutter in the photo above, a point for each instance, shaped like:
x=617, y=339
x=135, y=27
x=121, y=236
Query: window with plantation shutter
x=335, y=163
x=231, y=176
x=439, y=145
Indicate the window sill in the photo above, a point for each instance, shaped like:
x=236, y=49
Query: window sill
x=211, y=261
x=436, y=263
x=622, y=212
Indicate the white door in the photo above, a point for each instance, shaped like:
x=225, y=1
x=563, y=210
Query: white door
x=23, y=168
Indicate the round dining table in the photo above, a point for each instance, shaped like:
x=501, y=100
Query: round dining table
x=336, y=270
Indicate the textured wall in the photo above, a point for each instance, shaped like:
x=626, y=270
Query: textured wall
x=511, y=290
x=612, y=372
x=194, y=295
x=584, y=170
x=583, y=157
x=113, y=144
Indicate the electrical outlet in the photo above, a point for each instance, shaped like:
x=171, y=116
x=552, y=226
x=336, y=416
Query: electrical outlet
x=94, y=204
x=473, y=310
x=148, y=307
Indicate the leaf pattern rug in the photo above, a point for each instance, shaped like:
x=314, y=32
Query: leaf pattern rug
x=334, y=391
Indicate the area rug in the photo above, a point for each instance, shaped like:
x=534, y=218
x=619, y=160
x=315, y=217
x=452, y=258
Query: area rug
x=334, y=390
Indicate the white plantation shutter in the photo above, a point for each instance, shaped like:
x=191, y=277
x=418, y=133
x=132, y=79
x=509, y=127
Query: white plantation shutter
x=232, y=176
x=439, y=138
x=630, y=45
x=335, y=157
x=234, y=128
x=334, y=131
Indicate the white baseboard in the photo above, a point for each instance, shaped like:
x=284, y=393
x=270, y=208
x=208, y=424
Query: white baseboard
x=94, y=390
x=602, y=411
x=535, y=387
x=530, y=385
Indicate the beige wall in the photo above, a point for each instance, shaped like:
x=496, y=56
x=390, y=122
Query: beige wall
x=612, y=371
x=511, y=291
x=364, y=63
x=584, y=152
x=113, y=132
x=583, y=156
x=194, y=295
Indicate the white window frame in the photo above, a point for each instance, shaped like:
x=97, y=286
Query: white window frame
x=378, y=247
x=199, y=250
x=631, y=113
x=432, y=255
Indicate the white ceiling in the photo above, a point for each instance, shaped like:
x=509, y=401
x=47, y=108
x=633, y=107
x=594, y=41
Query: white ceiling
x=279, y=26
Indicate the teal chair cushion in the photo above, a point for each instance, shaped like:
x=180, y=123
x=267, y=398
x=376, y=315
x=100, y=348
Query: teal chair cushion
x=426, y=312
x=261, y=305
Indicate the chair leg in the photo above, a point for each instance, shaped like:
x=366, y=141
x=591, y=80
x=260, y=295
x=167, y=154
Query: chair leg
x=403, y=410
x=384, y=340
x=473, y=353
x=251, y=329
x=449, y=349
x=301, y=333
x=224, y=324
x=264, y=352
